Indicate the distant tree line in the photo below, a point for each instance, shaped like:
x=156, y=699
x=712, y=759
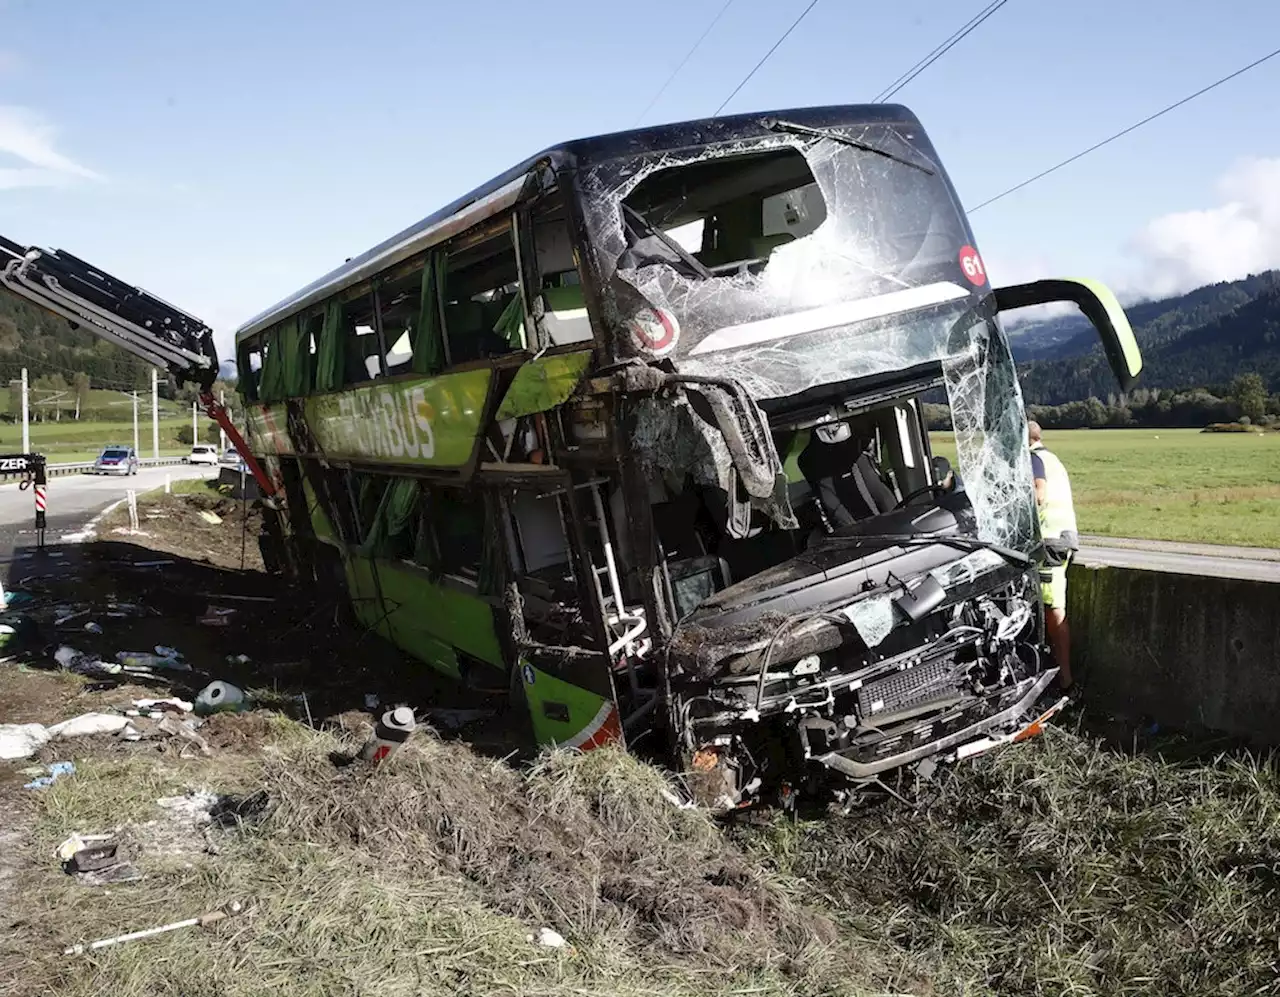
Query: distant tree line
x=1246, y=402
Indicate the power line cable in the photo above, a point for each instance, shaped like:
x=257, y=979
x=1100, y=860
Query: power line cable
x=685, y=61
x=756, y=68
x=1125, y=131
x=937, y=53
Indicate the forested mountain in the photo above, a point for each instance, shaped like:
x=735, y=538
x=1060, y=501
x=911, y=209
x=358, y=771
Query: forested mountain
x=47, y=345
x=1203, y=339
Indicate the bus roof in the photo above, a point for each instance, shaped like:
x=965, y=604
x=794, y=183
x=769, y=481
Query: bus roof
x=504, y=189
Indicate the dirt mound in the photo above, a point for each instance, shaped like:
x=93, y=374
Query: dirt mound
x=587, y=844
x=181, y=524
x=236, y=731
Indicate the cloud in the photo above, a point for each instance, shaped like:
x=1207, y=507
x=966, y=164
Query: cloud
x=27, y=137
x=1241, y=235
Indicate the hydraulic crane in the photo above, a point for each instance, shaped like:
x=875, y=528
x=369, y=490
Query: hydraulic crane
x=128, y=316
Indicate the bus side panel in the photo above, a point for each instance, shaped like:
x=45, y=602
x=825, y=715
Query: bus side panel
x=566, y=714
x=429, y=620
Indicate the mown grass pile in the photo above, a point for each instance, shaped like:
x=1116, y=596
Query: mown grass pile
x=1063, y=867
x=429, y=877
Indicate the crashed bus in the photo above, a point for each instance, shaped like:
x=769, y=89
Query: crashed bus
x=636, y=431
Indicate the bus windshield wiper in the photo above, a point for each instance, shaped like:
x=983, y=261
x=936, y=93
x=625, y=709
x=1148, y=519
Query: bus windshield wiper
x=644, y=229
x=960, y=541
x=778, y=125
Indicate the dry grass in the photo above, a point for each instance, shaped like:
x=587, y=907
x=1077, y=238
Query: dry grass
x=426, y=878
x=1063, y=867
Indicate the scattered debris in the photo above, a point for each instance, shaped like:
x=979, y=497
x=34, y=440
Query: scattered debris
x=151, y=704
x=238, y=659
x=89, y=723
x=217, y=616
x=179, y=728
x=212, y=518
x=371, y=701
x=229, y=597
x=82, y=663
x=194, y=806
x=146, y=660
x=204, y=920
x=150, y=564
x=21, y=740
x=93, y=628
x=549, y=938
x=69, y=616
x=220, y=697
x=55, y=772
x=235, y=811
x=96, y=860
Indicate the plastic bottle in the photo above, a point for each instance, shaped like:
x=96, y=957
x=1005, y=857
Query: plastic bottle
x=390, y=732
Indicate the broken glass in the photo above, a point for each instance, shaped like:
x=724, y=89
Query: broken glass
x=878, y=285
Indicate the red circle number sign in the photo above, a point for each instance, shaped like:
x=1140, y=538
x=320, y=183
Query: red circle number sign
x=971, y=264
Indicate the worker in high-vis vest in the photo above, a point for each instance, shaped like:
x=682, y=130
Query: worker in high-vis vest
x=1058, y=531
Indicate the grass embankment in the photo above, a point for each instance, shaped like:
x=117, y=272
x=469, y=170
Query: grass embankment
x=428, y=877
x=1060, y=867
x=1054, y=867
x=1170, y=484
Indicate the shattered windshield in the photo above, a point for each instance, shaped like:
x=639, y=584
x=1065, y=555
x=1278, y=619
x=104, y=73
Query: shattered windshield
x=795, y=261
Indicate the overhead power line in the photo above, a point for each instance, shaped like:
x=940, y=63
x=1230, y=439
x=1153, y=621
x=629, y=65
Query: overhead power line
x=938, y=52
x=756, y=68
x=1125, y=131
x=685, y=61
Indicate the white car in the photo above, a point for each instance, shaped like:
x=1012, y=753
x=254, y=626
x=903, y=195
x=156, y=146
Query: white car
x=203, y=454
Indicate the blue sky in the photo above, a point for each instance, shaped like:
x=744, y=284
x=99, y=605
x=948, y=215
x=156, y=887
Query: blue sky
x=222, y=155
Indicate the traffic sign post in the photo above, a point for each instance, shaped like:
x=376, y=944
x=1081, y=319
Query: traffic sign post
x=37, y=479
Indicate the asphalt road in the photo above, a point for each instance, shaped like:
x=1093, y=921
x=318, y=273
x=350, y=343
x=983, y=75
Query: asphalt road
x=74, y=499
x=1252, y=563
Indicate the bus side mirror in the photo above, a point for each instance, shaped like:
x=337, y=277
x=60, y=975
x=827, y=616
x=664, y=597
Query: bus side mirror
x=1099, y=306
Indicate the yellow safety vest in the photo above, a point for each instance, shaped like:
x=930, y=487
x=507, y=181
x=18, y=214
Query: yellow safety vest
x=1057, y=513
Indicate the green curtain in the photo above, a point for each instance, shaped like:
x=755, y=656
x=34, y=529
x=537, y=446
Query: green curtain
x=510, y=324
x=329, y=349
x=391, y=523
x=246, y=377
x=428, y=336
x=424, y=545
x=271, y=385
x=490, y=574
x=295, y=374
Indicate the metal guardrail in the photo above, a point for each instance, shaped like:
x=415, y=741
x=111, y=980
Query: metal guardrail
x=82, y=467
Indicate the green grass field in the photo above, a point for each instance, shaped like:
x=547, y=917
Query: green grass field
x=67, y=441
x=1170, y=484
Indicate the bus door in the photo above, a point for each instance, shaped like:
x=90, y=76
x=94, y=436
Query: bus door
x=563, y=666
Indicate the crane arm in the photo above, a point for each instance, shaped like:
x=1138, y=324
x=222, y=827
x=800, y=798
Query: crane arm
x=148, y=327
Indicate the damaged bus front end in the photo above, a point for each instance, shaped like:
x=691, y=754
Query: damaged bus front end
x=825, y=599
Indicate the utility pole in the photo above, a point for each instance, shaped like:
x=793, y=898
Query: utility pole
x=135, y=422
x=26, y=415
x=222, y=433
x=195, y=430
x=155, y=413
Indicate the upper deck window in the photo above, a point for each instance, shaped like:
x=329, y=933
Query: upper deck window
x=786, y=261
x=483, y=310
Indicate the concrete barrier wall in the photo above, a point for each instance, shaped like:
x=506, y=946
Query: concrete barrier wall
x=1188, y=652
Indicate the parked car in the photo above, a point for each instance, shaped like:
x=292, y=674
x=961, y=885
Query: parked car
x=202, y=453
x=230, y=458
x=116, y=460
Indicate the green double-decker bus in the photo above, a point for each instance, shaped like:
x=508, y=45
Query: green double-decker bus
x=636, y=429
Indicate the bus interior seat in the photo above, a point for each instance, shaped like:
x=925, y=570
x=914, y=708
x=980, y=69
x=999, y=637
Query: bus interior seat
x=847, y=472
